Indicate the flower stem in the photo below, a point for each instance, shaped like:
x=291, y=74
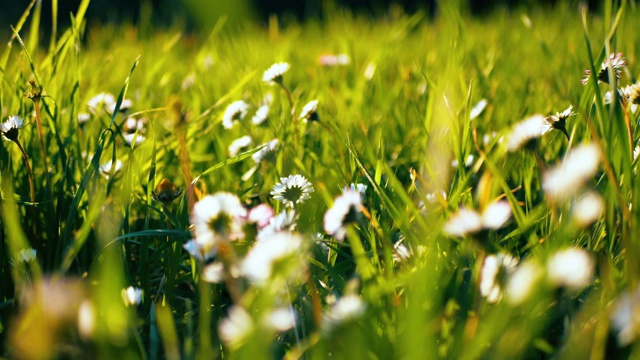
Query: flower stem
x=29, y=172
x=36, y=105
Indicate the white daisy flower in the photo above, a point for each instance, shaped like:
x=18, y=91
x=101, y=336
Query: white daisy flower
x=309, y=111
x=83, y=118
x=346, y=209
x=124, y=106
x=526, y=131
x=559, y=121
x=11, y=127
x=572, y=268
x=522, y=282
x=495, y=271
x=198, y=251
x=134, y=139
x=588, y=209
x=284, y=221
x=334, y=60
x=239, y=145
x=105, y=169
x=346, y=309
x=280, y=255
x=467, y=163
x=468, y=221
x=218, y=218
x=260, y=215
x=625, y=317
x=267, y=153
x=213, y=273
x=564, y=180
x=360, y=188
x=478, y=109
x=236, y=111
x=292, y=190
x=236, y=327
x=132, y=296
x=275, y=72
x=281, y=319
x=616, y=61
x=105, y=100
x=262, y=114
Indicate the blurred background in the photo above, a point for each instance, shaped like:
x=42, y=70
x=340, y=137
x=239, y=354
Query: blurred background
x=194, y=14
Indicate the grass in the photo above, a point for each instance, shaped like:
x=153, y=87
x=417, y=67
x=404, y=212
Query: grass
x=393, y=118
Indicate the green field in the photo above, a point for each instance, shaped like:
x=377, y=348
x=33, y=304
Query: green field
x=441, y=187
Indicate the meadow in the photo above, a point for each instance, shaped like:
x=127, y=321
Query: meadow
x=407, y=187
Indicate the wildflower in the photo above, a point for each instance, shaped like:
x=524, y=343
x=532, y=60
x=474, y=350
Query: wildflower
x=11, y=128
x=124, y=106
x=132, y=296
x=559, y=121
x=281, y=319
x=631, y=93
x=577, y=168
x=275, y=72
x=262, y=114
x=25, y=255
x=213, y=273
x=236, y=111
x=360, y=188
x=588, y=209
x=469, y=222
x=334, y=60
x=346, y=309
x=165, y=192
x=240, y=144
x=267, y=153
x=218, y=218
x=478, y=109
x=526, y=132
x=83, y=118
x=105, y=100
x=625, y=317
x=572, y=268
x=260, y=215
x=615, y=60
x=522, y=282
x=278, y=256
x=310, y=111
x=467, y=163
x=134, y=139
x=105, y=169
x=236, y=327
x=345, y=210
x=198, y=251
x=292, y=190
x=495, y=270
x=284, y=221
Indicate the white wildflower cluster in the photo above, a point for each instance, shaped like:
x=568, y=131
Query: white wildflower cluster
x=469, y=222
x=134, y=130
x=106, y=102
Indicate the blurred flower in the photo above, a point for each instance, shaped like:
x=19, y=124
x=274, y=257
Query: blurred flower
x=522, y=282
x=577, y=168
x=199, y=251
x=236, y=111
x=526, y=132
x=478, y=109
x=213, y=273
x=25, y=255
x=83, y=118
x=346, y=209
x=588, y=209
x=166, y=192
x=105, y=169
x=267, y=153
x=281, y=319
x=104, y=100
x=630, y=94
x=467, y=163
x=124, y=106
x=346, y=309
x=11, y=128
x=262, y=114
x=468, y=221
x=284, y=221
x=292, y=190
x=401, y=252
x=260, y=215
x=132, y=296
x=360, y=188
x=572, y=268
x=280, y=255
x=310, y=111
x=615, y=60
x=559, y=121
x=134, y=139
x=495, y=272
x=275, y=72
x=86, y=319
x=218, y=218
x=334, y=60
x=240, y=144
x=625, y=317
x=236, y=327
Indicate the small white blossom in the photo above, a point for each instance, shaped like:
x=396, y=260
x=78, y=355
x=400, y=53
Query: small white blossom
x=240, y=144
x=267, y=153
x=262, y=114
x=334, y=60
x=309, y=111
x=199, y=251
x=236, y=111
x=468, y=221
x=275, y=72
x=213, y=273
x=346, y=309
x=522, y=282
x=495, y=271
x=346, y=209
x=577, y=168
x=281, y=255
x=260, y=215
x=572, y=268
x=625, y=317
x=588, y=209
x=526, y=131
x=11, y=127
x=218, y=218
x=132, y=296
x=281, y=319
x=284, y=221
x=292, y=190
x=478, y=109
x=236, y=327
x=105, y=169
